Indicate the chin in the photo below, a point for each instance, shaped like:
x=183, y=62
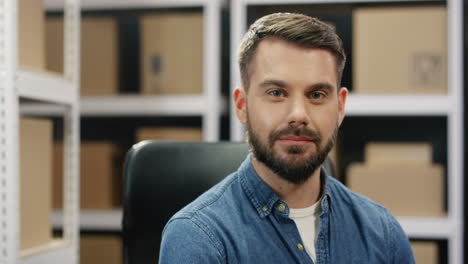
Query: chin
x=294, y=158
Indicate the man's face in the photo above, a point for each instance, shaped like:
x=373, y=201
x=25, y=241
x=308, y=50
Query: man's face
x=293, y=108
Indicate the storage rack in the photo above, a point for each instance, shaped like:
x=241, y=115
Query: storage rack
x=450, y=105
x=208, y=105
x=15, y=85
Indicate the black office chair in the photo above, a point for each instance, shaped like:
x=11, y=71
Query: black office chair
x=162, y=177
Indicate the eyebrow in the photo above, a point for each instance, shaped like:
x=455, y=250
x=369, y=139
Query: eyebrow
x=282, y=84
x=322, y=86
x=272, y=82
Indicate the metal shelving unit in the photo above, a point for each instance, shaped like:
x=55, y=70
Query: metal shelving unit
x=208, y=105
x=449, y=228
x=16, y=84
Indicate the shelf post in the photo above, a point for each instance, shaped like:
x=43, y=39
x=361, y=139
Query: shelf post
x=455, y=170
x=211, y=69
x=9, y=131
x=238, y=27
x=71, y=171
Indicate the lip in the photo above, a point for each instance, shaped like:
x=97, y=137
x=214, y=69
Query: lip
x=295, y=140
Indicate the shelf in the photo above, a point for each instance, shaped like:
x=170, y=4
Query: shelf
x=57, y=251
x=55, y=5
x=397, y=105
x=46, y=87
x=93, y=219
x=308, y=2
x=130, y=105
x=427, y=227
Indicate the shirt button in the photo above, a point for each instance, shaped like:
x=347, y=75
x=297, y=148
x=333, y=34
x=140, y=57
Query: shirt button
x=300, y=246
x=265, y=208
x=281, y=207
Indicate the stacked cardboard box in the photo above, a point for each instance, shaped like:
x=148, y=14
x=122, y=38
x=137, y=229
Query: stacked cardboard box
x=400, y=50
x=98, y=249
x=169, y=134
x=100, y=175
x=171, y=54
x=335, y=158
x=401, y=177
x=425, y=252
x=99, y=53
x=31, y=45
x=35, y=182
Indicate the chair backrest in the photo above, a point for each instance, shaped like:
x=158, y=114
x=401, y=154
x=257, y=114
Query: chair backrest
x=162, y=177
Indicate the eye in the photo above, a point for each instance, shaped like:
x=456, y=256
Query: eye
x=316, y=95
x=276, y=93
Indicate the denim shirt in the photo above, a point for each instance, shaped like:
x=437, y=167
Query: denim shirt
x=239, y=221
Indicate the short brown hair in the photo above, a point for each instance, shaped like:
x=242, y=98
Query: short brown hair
x=302, y=30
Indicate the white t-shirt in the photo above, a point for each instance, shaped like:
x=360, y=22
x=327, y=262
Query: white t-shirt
x=308, y=224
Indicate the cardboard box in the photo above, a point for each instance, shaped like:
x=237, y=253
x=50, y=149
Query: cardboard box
x=171, y=54
x=169, y=134
x=98, y=249
x=100, y=176
x=54, y=44
x=405, y=190
x=395, y=178
x=420, y=153
x=99, y=53
x=426, y=252
x=35, y=182
x=57, y=180
x=335, y=158
x=400, y=50
x=31, y=44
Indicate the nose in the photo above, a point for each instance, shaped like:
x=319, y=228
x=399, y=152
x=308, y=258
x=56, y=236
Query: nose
x=298, y=115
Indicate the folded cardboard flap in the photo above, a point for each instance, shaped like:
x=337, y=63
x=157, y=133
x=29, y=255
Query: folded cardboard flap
x=35, y=182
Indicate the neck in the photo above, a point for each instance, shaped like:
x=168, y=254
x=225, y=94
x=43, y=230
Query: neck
x=295, y=195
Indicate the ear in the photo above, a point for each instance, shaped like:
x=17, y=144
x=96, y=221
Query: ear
x=240, y=101
x=342, y=95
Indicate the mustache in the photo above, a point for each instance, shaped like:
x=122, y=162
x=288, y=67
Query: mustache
x=303, y=131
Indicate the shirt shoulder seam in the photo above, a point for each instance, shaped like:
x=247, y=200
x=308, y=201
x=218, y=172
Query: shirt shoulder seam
x=216, y=196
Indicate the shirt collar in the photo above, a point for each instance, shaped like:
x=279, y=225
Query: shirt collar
x=262, y=196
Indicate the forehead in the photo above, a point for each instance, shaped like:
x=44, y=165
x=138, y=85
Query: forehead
x=277, y=58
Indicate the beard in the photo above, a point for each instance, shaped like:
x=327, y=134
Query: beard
x=292, y=169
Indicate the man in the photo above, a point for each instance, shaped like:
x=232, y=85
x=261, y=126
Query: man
x=280, y=206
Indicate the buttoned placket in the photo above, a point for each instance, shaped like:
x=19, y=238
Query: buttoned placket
x=288, y=229
x=321, y=248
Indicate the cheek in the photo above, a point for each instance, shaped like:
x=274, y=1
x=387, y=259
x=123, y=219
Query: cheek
x=327, y=121
x=263, y=119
